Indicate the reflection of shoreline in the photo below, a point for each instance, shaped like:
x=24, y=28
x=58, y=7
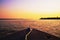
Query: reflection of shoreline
x=51, y=18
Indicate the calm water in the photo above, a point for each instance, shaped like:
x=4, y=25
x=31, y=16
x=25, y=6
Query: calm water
x=48, y=26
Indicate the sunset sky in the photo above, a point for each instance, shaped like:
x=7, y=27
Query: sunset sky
x=29, y=9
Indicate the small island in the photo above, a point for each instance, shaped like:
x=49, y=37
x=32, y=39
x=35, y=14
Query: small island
x=51, y=18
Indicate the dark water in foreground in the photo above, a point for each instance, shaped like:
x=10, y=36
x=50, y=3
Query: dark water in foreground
x=42, y=29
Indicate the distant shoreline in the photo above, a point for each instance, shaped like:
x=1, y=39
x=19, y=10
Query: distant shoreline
x=51, y=18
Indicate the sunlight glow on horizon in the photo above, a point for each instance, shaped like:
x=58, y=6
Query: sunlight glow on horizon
x=29, y=9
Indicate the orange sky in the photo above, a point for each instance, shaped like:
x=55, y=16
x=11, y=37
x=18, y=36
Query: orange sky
x=29, y=9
